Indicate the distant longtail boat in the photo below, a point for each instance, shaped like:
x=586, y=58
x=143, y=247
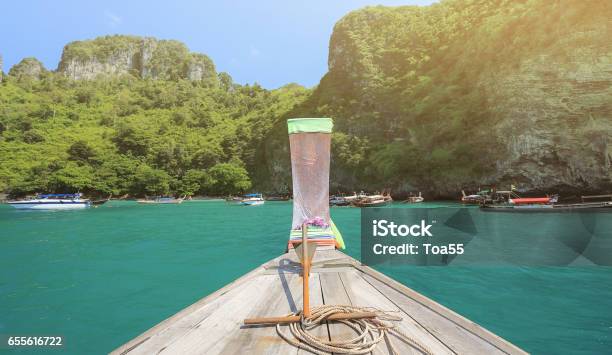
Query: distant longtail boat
x=159, y=200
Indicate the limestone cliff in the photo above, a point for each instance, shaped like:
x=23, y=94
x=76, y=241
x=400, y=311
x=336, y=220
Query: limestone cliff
x=469, y=92
x=144, y=57
x=554, y=117
x=28, y=68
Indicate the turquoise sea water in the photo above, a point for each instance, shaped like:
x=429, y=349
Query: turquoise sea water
x=99, y=277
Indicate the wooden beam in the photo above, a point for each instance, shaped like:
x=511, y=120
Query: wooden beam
x=305, y=271
x=295, y=319
x=595, y=196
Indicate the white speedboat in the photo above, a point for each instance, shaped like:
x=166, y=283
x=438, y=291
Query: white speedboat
x=52, y=202
x=252, y=200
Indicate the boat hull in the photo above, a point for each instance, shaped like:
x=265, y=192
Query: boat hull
x=575, y=207
x=277, y=199
x=530, y=200
x=414, y=200
x=252, y=203
x=373, y=204
x=472, y=200
x=99, y=202
x=153, y=202
x=50, y=205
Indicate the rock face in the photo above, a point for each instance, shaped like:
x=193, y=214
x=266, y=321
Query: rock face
x=470, y=92
x=553, y=111
x=30, y=68
x=555, y=119
x=142, y=57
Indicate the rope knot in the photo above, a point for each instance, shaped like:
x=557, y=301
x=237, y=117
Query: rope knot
x=370, y=331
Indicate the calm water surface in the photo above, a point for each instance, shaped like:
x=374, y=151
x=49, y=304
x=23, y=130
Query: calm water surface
x=101, y=276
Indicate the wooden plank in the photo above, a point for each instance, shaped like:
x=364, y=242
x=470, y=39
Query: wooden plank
x=184, y=325
x=330, y=257
x=474, y=328
x=316, y=299
x=314, y=270
x=223, y=333
x=265, y=340
x=364, y=294
x=163, y=326
x=202, y=331
x=596, y=196
x=283, y=299
x=383, y=347
x=181, y=319
x=459, y=339
x=334, y=294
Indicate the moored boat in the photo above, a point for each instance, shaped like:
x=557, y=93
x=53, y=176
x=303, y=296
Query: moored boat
x=414, y=198
x=255, y=199
x=338, y=201
x=235, y=199
x=482, y=196
x=341, y=200
x=278, y=198
x=558, y=207
x=100, y=202
x=161, y=200
x=52, y=202
x=508, y=201
x=373, y=201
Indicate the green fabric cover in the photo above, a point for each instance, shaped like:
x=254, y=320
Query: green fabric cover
x=315, y=232
x=338, y=235
x=310, y=125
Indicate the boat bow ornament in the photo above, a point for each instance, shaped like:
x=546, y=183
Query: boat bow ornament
x=310, y=142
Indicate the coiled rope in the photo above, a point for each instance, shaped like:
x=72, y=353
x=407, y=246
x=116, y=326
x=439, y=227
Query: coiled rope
x=370, y=332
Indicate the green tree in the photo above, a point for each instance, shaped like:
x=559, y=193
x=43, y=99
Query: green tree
x=81, y=152
x=117, y=175
x=151, y=181
x=194, y=181
x=72, y=178
x=228, y=179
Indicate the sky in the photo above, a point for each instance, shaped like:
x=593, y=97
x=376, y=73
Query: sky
x=271, y=42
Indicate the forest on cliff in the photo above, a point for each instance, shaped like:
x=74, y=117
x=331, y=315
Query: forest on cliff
x=127, y=135
x=437, y=98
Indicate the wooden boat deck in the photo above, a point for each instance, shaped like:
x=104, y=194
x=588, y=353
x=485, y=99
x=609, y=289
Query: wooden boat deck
x=213, y=325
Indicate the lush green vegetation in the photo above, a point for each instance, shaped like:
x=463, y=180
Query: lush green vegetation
x=412, y=89
x=125, y=135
